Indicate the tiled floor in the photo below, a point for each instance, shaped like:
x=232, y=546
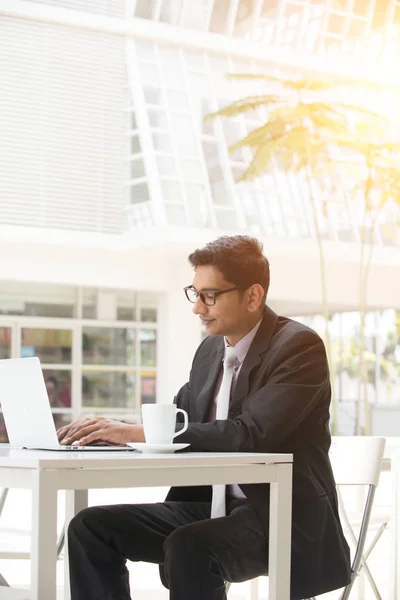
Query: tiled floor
x=145, y=585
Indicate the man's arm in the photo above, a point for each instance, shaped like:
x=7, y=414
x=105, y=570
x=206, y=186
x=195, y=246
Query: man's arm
x=270, y=414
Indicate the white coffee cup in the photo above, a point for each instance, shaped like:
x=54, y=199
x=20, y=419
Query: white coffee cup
x=159, y=422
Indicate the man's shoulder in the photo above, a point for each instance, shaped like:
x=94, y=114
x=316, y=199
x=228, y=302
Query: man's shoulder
x=287, y=327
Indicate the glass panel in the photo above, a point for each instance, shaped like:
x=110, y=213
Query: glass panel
x=148, y=387
x=185, y=137
x=152, y=95
x=177, y=100
x=36, y=309
x=148, y=347
x=126, y=305
x=157, y=118
x=143, y=9
x=167, y=166
x=335, y=24
x=172, y=68
x=139, y=193
x=108, y=346
x=37, y=299
x=191, y=170
x=162, y=142
x=50, y=345
x=3, y=431
x=89, y=303
x=136, y=147
x=137, y=168
x=61, y=419
x=148, y=306
x=149, y=73
x=108, y=390
x=175, y=214
x=148, y=315
x=58, y=386
x=199, y=214
x=171, y=190
x=5, y=342
x=143, y=49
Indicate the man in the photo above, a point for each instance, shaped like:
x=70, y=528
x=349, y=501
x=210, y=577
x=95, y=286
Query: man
x=280, y=395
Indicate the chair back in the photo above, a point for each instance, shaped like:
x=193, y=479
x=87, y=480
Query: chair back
x=357, y=460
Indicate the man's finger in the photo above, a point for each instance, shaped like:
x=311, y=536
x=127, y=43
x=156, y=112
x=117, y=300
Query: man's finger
x=78, y=426
x=90, y=438
x=63, y=431
x=81, y=432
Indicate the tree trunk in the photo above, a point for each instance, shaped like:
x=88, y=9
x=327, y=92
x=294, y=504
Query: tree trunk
x=325, y=307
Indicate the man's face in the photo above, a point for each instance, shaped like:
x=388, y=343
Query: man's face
x=230, y=315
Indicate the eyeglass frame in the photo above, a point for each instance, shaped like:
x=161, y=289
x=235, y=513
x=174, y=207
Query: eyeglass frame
x=215, y=294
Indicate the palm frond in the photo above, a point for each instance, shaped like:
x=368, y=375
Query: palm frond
x=244, y=105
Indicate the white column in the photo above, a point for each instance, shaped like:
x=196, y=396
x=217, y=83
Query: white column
x=179, y=335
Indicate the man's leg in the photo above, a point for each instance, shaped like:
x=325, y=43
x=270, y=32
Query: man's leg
x=100, y=539
x=201, y=556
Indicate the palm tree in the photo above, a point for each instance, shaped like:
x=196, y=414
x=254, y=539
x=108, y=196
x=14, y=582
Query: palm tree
x=304, y=133
x=379, y=187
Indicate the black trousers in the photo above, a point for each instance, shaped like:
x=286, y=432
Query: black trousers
x=197, y=554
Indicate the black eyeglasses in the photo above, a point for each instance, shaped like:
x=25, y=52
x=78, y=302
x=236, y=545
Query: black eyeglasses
x=207, y=298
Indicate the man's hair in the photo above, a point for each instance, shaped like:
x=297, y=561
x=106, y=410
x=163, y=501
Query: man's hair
x=239, y=258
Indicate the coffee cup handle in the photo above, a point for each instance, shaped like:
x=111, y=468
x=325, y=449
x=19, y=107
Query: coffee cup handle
x=185, y=424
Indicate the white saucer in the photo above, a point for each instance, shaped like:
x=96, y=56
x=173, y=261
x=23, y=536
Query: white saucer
x=156, y=448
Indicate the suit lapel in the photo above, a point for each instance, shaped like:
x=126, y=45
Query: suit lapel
x=210, y=373
x=253, y=358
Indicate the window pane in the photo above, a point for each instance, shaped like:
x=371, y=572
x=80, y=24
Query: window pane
x=61, y=419
x=148, y=387
x=148, y=347
x=148, y=306
x=58, y=386
x=5, y=342
x=148, y=315
x=37, y=299
x=37, y=309
x=89, y=303
x=108, y=346
x=50, y=345
x=108, y=390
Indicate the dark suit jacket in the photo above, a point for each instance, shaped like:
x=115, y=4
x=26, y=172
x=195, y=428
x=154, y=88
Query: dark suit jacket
x=280, y=404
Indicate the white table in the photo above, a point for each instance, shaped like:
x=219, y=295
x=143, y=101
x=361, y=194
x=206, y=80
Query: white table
x=47, y=472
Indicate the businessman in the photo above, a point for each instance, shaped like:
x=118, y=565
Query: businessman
x=278, y=401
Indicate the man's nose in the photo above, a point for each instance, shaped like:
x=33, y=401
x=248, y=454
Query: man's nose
x=199, y=308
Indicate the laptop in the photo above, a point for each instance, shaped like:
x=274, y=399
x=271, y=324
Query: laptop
x=26, y=409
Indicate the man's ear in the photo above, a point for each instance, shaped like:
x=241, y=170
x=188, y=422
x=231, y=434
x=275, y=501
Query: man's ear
x=255, y=297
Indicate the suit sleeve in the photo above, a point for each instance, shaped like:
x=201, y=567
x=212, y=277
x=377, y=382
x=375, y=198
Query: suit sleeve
x=298, y=380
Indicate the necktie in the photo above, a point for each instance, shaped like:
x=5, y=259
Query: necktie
x=218, y=497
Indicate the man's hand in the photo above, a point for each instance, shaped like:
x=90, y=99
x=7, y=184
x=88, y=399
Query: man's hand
x=86, y=431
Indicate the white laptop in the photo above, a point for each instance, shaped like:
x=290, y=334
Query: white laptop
x=26, y=408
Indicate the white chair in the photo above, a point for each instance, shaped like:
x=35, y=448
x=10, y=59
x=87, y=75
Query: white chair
x=356, y=461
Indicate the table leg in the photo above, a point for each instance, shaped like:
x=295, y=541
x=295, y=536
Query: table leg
x=44, y=536
x=280, y=534
x=75, y=501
